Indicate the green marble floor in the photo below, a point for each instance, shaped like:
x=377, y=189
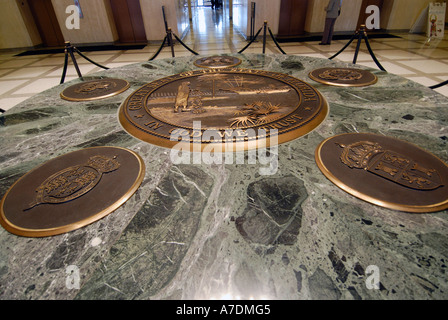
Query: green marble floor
x=208, y=231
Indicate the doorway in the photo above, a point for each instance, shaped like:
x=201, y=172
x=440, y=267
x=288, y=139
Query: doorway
x=46, y=23
x=128, y=21
x=292, y=18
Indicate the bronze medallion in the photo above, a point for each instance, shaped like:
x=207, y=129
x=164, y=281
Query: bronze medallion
x=217, y=62
x=219, y=109
x=344, y=77
x=95, y=89
x=385, y=171
x=71, y=191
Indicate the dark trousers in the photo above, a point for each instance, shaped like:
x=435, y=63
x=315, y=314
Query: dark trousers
x=328, y=32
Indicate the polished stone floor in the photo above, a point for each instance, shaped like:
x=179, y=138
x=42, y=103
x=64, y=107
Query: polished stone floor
x=212, y=32
x=210, y=231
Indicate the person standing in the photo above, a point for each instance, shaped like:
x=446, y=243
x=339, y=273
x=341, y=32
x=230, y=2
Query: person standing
x=333, y=10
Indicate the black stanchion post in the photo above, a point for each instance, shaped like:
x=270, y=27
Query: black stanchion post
x=166, y=25
x=170, y=41
x=264, y=36
x=64, y=70
x=265, y=29
x=252, y=22
x=361, y=34
x=358, y=45
x=70, y=51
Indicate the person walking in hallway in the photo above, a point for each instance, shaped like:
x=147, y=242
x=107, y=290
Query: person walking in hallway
x=333, y=10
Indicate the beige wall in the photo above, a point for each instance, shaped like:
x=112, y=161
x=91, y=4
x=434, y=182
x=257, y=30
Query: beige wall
x=404, y=13
x=264, y=11
x=153, y=18
x=348, y=19
x=395, y=14
x=17, y=29
x=98, y=17
x=95, y=27
x=315, y=20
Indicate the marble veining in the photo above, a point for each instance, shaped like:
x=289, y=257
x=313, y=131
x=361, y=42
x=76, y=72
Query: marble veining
x=209, y=231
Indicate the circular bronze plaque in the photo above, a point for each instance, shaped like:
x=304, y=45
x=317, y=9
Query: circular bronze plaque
x=71, y=191
x=217, y=62
x=94, y=89
x=223, y=110
x=385, y=171
x=344, y=77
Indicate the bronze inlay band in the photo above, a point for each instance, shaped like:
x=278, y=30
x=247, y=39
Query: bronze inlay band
x=71, y=191
x=95, y=89
x=344, y=77
x=217, y=62
x=385, y=171
x=210, y=108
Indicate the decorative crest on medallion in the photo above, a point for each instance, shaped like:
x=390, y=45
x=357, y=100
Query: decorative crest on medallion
x=341, y=74
x=358, y=155
x=95, y=86
x=73, y=182
x=389, y=165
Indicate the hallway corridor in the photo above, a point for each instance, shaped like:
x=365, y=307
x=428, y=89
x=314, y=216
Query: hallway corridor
x=212, y=32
